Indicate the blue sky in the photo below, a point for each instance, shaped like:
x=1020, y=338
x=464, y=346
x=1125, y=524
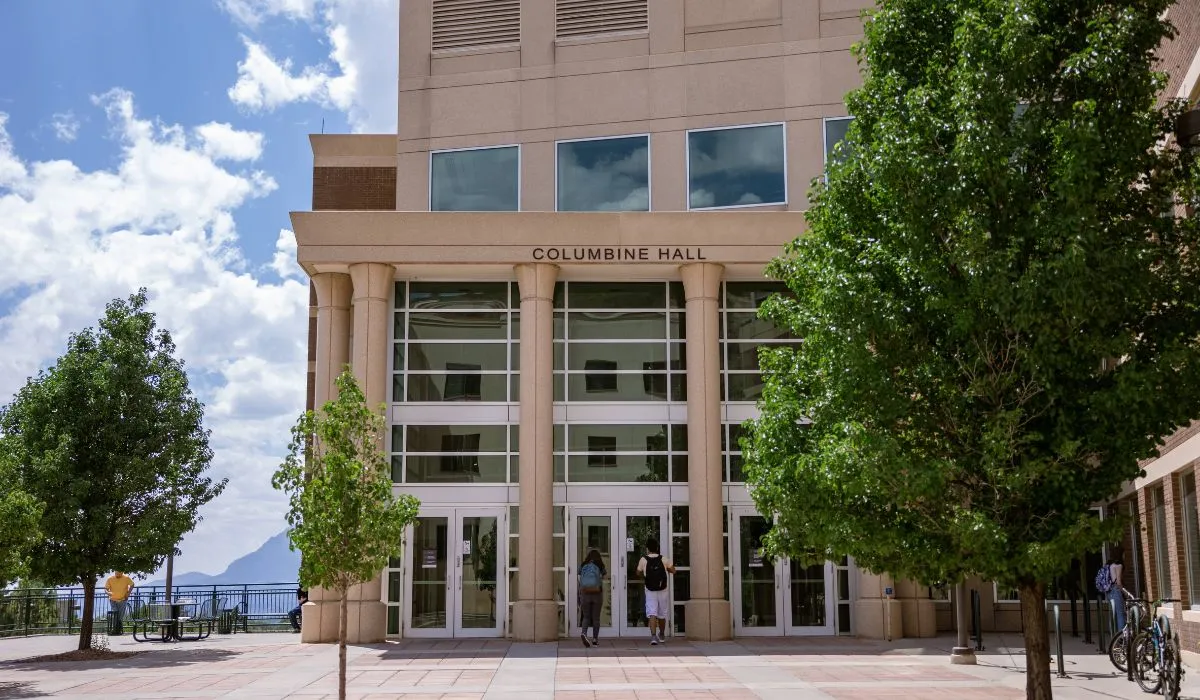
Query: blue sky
x=162, y=144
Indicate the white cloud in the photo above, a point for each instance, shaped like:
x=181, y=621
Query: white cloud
x=284, y=261
x=162, y=218
x=264, y=83
x=252, y=12
x=65, y=126
x=360, y=79
x=223, y=142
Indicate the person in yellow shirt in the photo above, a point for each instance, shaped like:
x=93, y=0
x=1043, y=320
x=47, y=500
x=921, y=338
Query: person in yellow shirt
x=119, y=586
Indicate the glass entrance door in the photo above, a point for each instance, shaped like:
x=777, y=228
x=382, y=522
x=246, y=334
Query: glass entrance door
x=776, y=597
x=456, y=586
x=619, y=535
x=757, y=578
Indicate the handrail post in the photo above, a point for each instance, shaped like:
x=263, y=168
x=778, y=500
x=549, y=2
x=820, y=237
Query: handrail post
x=27, y=611
x=1137, y=625
x=1062, y=672
x=1087, y=619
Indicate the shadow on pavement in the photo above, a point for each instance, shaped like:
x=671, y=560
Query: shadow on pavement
x=170, y=658
x=19, y=690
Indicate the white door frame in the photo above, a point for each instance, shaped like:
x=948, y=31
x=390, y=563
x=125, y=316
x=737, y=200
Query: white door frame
x=784, y=622
x=455, y=549
x=830, y=626
x=618, y=568
x=740, y=629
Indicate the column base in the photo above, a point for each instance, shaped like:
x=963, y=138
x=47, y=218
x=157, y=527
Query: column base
x=535, y=621
x=366, y=622
x=708, y=620
x=920, y=617
x=962, y=656
x=879, y=618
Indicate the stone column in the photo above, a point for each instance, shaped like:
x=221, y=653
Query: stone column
x=535, y=613
x=708, y=617
x=372, y=315
x=875, y=615
x=333, y=353
x=333, y=332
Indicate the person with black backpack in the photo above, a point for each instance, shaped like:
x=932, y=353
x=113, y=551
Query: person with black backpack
x=654, y=569
x=591, y=596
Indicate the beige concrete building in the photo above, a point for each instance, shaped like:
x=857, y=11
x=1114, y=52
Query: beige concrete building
x=549, y=275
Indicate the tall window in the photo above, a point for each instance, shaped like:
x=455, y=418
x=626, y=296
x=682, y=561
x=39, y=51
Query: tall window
x=731, y=451
x=835, y=133
x=620, y=453
x=609, y=174
x=1162, y=552
x=742, y=334
x=475, y=179
x=1191, y=536
x=454, y=341
x=619, y=342
x=737, y=167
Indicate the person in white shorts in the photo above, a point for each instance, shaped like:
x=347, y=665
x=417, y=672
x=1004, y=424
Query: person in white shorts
x=654, y=571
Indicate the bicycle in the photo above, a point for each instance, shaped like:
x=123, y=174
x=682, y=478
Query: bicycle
x=1118, y=646
x=1157, y=657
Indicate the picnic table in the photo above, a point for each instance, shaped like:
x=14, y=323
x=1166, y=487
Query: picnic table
x=181, y=620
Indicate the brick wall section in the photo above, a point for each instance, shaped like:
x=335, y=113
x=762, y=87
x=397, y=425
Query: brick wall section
x=1174, y=440
x=1174, y=547
x=1176, y=56
x=370, y=188
x=1146, y=520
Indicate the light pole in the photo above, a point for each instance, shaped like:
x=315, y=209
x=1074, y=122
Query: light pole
x=962, y=653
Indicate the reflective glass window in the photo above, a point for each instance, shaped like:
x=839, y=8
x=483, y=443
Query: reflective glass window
x=479, y=179
x=835, y=133
x=736, y=167
x=604, y=174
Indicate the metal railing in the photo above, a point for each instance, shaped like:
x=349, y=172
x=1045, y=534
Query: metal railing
x=261, y=607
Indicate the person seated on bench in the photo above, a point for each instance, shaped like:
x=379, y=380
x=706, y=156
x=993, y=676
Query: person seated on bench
x=294, y=613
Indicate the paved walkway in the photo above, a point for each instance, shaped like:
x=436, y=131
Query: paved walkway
x=270, y=666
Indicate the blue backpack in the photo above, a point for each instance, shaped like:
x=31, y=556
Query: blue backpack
x=590, y=578
x=1104, y=582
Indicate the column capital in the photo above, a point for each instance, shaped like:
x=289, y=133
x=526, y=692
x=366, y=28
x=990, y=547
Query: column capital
x=701, y=280
x=536, y=280
x=372, y=280
x=333, y=290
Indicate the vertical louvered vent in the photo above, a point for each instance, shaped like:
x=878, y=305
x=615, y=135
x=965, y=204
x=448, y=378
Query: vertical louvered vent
x=461, y=24
x=584, y=17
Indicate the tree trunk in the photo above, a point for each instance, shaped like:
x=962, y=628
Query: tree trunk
x=89, y=605
x=342, y=646
x=1037, y=642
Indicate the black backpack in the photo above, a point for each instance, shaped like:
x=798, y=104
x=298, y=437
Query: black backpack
x=656, y=574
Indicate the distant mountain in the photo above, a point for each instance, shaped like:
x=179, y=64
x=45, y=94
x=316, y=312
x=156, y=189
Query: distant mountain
x=273, y=562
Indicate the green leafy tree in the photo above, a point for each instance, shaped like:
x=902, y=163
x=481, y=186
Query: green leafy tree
x=999, y=310
x=112, y=441
x=19, y=515
x=342, y=515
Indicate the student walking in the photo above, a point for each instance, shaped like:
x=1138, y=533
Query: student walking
x=1115, y=593
x=654, y=569
x=591, y=596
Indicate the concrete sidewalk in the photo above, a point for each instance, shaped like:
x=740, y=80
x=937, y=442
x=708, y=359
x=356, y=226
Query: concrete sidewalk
x=270, y=666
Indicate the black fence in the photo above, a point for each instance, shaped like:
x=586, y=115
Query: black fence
x=260, y=607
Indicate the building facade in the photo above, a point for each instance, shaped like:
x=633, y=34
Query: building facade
x=549, y=276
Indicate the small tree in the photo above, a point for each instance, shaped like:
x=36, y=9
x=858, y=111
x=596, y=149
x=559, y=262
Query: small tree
x=1000, y=311
x=342, y=514
x=112, y=441
x=19, y=515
